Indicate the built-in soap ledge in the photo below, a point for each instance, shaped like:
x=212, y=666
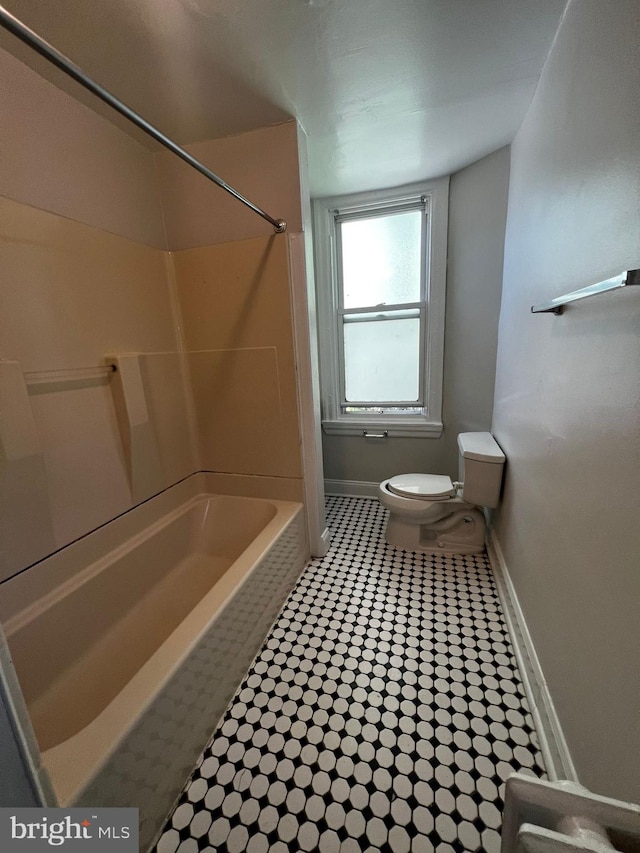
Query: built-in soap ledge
x=122, y=371
x=44, y=381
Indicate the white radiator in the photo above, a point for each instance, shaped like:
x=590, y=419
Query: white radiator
x=563, y=817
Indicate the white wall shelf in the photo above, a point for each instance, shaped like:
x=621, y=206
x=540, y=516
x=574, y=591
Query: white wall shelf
x=556, y=306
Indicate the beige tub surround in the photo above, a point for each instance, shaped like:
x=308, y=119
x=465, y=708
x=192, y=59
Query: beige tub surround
x=168, y=397
x=26, y=529
x=70, y=294
x=236, y=314
x=73, y=290
x=60, y=156
x=218, y=318
x=239, y=413
x=261, y=164
x=42, y=433
x=149, y=640
x=136, y=433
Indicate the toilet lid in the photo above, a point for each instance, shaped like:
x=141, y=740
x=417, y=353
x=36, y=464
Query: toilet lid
x=427, y=487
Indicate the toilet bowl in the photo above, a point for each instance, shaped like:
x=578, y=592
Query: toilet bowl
x=431, y=514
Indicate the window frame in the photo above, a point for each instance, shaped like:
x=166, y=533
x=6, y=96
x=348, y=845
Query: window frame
x=327, y=212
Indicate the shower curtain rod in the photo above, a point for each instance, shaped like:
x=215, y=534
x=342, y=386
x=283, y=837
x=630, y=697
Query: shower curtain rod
x=21, y=31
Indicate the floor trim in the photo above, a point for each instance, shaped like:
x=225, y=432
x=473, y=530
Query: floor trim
x=553, y=745
x=351, y=488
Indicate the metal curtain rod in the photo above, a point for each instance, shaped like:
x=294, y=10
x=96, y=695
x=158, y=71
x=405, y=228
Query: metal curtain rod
x=21, y=31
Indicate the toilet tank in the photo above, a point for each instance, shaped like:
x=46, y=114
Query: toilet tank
x=481, y=464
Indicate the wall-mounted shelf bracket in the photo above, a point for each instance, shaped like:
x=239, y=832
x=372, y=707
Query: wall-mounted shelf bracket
x=556, y=306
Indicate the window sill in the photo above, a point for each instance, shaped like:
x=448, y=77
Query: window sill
x=395, y=428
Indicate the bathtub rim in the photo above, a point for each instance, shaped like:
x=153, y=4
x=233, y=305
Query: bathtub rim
x=76, y=579
x=74, y=763
x=31, y=582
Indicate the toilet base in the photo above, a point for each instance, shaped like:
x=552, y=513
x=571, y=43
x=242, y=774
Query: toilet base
x=462, y=532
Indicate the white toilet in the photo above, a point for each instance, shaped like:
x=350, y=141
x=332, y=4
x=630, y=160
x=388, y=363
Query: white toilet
x=432, y=514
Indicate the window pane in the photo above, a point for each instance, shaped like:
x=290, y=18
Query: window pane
x=381, y=360
x=381, y=259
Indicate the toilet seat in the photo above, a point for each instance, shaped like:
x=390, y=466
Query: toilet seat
x=425, y=487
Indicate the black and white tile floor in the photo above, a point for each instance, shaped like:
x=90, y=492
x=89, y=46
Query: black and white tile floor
x=383, y=713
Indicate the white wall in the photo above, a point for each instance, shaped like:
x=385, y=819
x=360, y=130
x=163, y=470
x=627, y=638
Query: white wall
x=477, y=216
x=567, y=407
x=477, y=213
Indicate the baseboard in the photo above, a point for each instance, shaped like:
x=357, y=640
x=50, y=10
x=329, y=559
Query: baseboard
x=351, y=488
x=553, y=745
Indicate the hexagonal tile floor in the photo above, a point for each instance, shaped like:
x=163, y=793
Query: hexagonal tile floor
x=383, y=713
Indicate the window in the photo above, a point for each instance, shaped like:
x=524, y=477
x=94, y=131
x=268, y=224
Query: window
x=381, y=267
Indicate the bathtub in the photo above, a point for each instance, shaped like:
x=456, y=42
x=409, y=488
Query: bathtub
x=139, y=636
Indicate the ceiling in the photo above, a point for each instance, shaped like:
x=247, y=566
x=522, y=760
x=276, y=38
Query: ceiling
x=388, y=91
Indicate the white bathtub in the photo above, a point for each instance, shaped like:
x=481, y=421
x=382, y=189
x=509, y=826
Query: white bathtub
x=128, y=652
